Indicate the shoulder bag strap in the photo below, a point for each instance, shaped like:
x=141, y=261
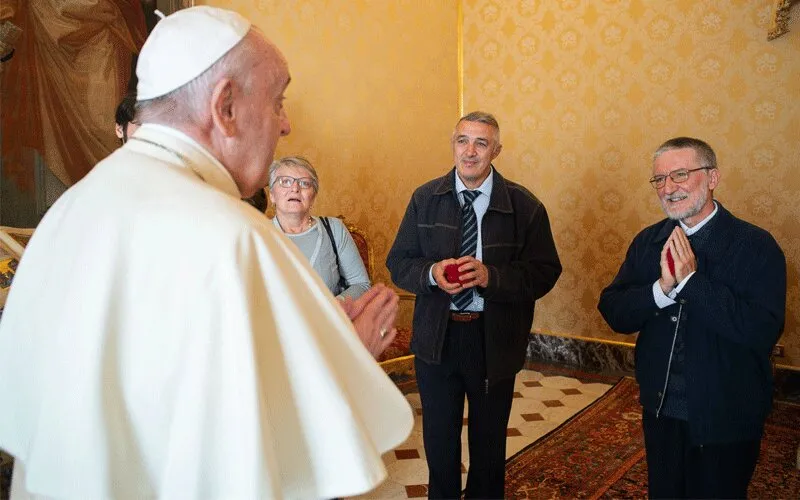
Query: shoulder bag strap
x=327, y=224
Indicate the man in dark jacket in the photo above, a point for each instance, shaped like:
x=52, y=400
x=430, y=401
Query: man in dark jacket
x=477, y=251
x=706, y=291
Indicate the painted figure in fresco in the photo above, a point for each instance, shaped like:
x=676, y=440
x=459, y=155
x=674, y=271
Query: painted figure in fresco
x=477, y=251
x=164, y=336
x=706, y=291
x=325, y=241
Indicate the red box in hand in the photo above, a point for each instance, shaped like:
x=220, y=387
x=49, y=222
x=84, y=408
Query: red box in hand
x=670, y=262
x=451, y=273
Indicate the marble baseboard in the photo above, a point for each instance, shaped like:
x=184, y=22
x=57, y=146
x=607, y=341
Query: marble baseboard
x=584, y=354
x=614, y=358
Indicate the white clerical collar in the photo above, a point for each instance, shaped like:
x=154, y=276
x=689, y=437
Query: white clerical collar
x=184, y=148
x=691, y=230
x=484, y=188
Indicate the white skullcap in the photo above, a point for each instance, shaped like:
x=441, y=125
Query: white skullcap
x=185, y=44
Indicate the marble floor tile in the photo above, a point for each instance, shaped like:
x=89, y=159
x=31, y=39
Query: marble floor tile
x=541, y=393
x=409, y=471
x=515, y=444
x=595, y=388
x=543, y=403
x=413, y=400
x=560, y=382
x=560, y=414
x=529, y=375
x=535, y=430
x=579, y=400
x=389, y=490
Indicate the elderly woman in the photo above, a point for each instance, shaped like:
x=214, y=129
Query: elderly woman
x=293, y=187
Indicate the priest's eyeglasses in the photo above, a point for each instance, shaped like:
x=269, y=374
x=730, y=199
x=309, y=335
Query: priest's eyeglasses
x=286, y=181
x=677, y=176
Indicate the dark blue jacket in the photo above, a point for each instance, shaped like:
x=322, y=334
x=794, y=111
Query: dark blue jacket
x=518, y=250
x=730, y=315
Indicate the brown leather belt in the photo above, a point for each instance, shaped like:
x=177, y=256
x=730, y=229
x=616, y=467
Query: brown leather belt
x=464, y=317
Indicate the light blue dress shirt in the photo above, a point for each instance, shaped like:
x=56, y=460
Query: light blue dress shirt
x=480, y=205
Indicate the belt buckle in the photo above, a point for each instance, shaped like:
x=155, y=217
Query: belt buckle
x=464, y=317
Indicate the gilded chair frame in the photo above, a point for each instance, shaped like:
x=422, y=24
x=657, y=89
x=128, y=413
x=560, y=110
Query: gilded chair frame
x=401, y=366
x=14, y=239
x=355, y=230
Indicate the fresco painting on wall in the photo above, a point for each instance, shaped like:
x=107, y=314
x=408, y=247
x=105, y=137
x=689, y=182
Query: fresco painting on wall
x=72, y=64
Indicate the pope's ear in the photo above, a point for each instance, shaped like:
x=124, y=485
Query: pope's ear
x=222, y=112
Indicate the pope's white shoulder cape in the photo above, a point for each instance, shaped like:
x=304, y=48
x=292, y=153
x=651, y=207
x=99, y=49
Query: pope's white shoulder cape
x=161, y=339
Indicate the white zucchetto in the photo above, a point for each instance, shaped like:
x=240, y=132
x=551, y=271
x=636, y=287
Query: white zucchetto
x=183, y=46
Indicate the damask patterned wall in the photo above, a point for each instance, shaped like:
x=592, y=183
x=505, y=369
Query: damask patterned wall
x=372, y=103
x=586, y=90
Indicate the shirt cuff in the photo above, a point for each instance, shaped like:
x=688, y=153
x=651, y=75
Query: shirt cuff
x=680, y=286
x=661, y=299
x=430, y=277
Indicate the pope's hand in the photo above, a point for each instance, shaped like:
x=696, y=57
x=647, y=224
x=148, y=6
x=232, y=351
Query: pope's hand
x=373, y=315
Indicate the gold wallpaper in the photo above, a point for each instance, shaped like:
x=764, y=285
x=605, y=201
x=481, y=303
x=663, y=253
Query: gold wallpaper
x=584, y=92
x=372, y=103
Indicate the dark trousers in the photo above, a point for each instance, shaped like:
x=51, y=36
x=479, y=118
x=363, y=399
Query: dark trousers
x=442, y=389
x=676, y=469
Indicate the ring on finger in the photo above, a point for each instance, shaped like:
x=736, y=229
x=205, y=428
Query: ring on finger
x=384, y=331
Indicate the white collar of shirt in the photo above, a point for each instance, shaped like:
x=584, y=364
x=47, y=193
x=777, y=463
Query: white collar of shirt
x=202, y=162
x=484, y=188
x=691, y=230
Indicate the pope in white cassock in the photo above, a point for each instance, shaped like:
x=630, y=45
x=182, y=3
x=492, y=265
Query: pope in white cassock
x=161, y=339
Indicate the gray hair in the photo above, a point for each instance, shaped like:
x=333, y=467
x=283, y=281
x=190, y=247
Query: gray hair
x=482, y=117
x=705, y=155
x=189, y=102
x=293, y=161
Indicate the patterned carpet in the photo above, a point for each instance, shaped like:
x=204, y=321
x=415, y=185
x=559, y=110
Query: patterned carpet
x=599, y=453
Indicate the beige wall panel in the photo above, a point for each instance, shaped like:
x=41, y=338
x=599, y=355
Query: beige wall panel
x=373, y=99
x=586, y=90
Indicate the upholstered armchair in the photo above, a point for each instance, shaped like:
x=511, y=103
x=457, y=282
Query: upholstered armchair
x=397, y=360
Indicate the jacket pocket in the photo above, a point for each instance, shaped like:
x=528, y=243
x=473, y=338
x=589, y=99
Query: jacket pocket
x=439, y=241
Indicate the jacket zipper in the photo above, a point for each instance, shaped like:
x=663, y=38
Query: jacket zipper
x=669, y=363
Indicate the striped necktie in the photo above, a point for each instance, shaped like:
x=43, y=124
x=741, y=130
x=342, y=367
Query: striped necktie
x=469, y=243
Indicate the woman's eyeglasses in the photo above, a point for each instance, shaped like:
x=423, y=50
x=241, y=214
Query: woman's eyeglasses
x=285, y=181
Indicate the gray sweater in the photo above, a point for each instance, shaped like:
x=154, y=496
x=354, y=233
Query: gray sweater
x=316, y=246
